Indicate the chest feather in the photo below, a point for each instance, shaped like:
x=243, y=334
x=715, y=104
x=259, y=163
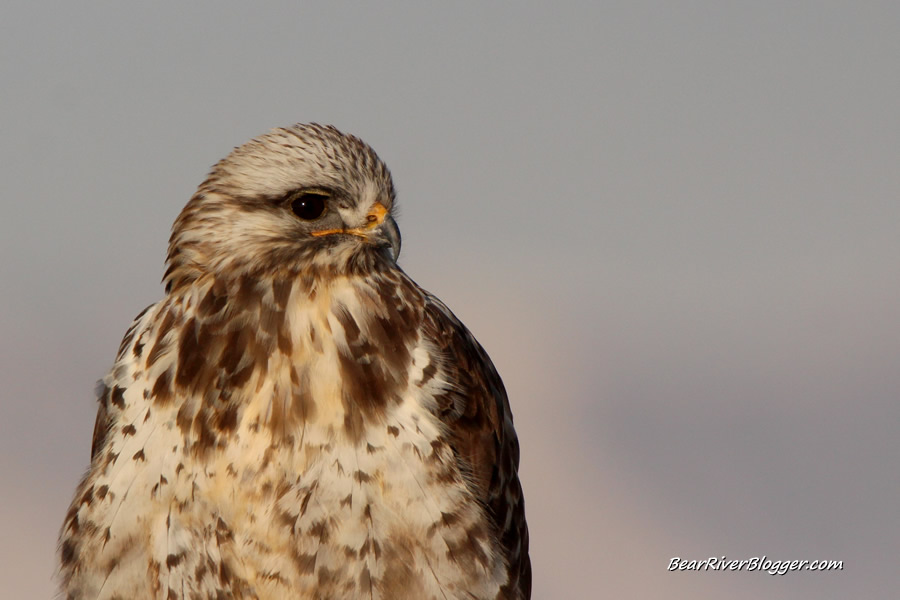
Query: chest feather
x=308, y=460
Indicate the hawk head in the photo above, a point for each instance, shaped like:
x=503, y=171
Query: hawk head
x=306, y=198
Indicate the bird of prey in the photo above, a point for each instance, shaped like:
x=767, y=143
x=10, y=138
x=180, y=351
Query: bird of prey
x=296, y=418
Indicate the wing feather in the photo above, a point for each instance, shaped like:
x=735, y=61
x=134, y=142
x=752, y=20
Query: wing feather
x=476, y=411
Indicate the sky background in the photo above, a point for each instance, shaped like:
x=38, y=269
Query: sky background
x=675, y=226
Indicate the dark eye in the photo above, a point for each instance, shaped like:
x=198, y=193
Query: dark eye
x=309, y=206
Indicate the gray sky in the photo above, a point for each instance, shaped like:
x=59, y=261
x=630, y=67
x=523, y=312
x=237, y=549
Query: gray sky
x=674, y=226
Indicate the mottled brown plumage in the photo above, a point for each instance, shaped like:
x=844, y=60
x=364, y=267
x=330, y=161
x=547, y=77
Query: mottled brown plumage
x=297, y=418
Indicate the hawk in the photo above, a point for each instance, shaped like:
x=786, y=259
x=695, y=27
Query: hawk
x=296, y=418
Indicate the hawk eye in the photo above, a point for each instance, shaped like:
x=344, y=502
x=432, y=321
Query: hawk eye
x=309, y=205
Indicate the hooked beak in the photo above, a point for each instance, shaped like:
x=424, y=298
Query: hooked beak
x=380, y=229
x=390, y=234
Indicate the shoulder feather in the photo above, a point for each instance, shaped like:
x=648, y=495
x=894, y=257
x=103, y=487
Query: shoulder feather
x=475, y=409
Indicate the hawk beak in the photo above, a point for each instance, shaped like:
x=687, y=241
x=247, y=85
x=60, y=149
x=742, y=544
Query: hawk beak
x=380, y=229
x=390, y=234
